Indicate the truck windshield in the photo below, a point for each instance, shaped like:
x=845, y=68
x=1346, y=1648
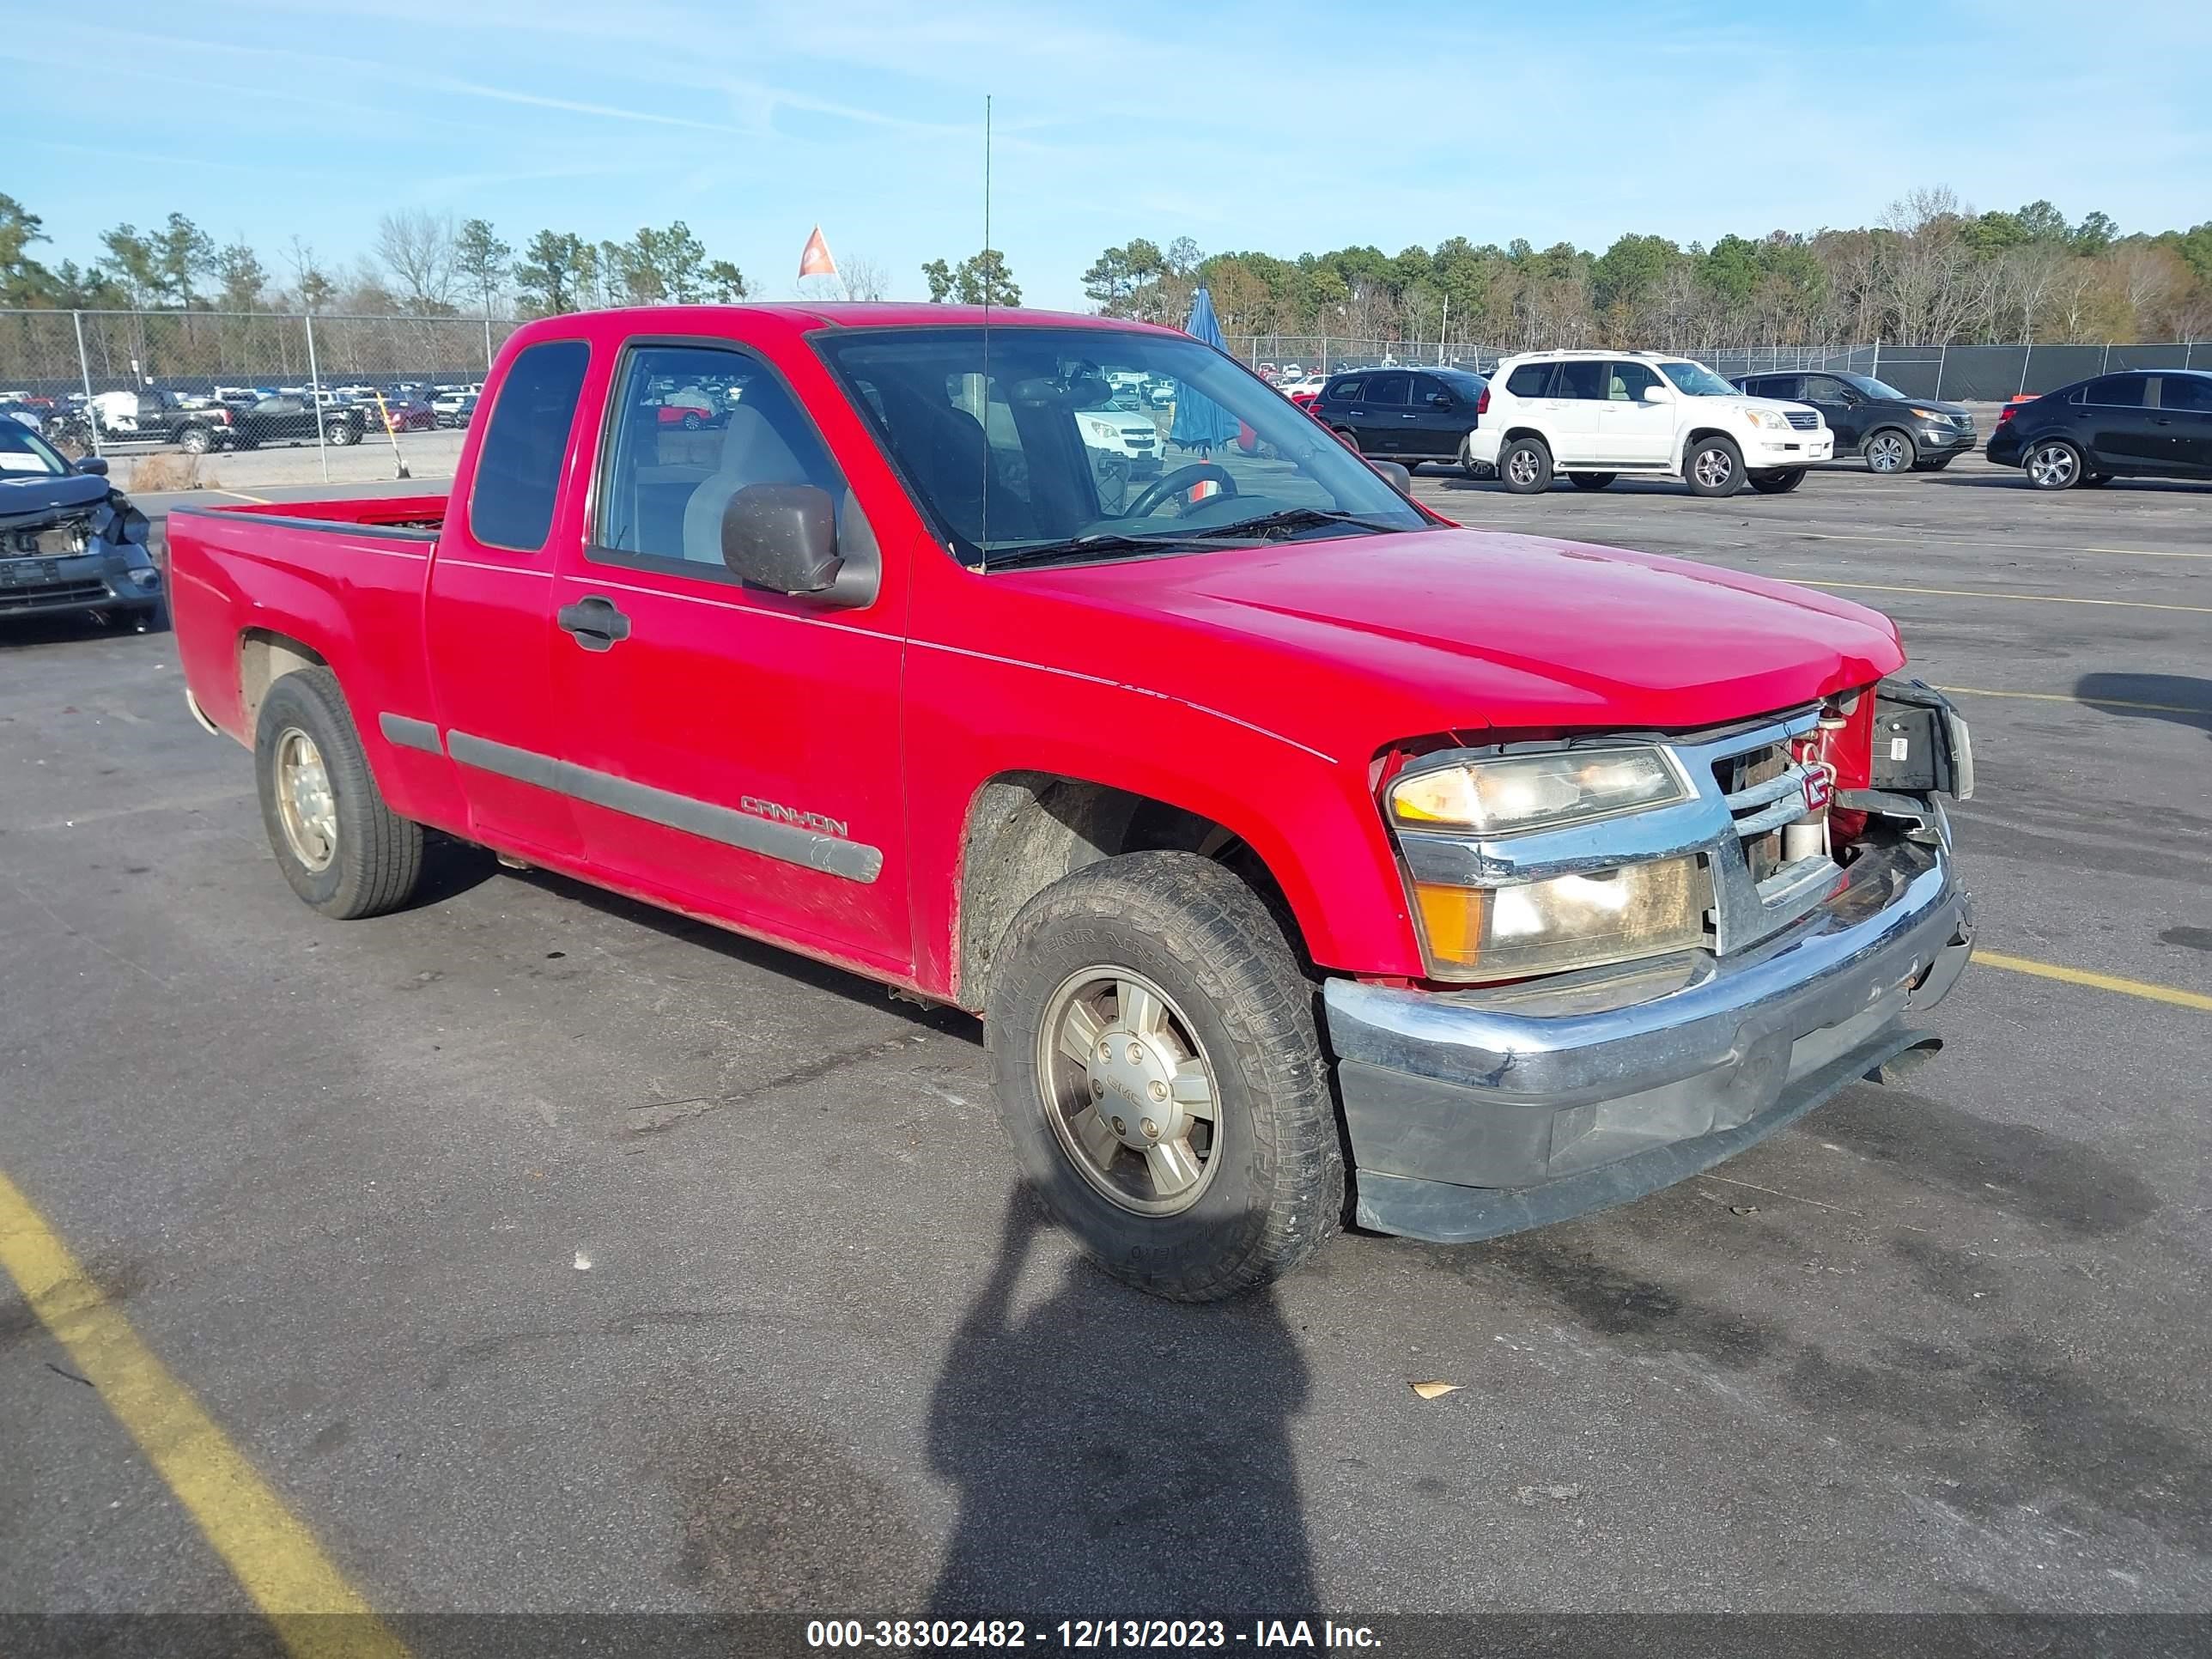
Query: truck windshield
x=1101, y=443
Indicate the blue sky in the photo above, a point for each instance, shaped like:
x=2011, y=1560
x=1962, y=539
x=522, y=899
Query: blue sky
x=1284, y=126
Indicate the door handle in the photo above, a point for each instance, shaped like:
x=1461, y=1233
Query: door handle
x=595, y=621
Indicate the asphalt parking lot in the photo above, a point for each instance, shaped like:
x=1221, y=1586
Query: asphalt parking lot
x=544, y=1252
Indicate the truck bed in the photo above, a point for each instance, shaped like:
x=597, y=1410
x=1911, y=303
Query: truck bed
x=317, y=580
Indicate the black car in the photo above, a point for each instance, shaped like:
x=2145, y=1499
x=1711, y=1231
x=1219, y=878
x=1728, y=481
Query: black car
x=289, y=420
x=70, y=543
x=1403, y=415
x=1894, y=432
x=2140, y=423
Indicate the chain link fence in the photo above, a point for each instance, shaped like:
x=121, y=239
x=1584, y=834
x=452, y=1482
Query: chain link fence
x=135, y=382
x=1961, y=373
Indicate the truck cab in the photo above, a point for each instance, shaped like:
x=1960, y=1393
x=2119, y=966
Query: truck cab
x=1306, y=857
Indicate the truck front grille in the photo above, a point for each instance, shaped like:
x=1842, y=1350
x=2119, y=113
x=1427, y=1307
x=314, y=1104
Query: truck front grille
x=1804, y=420
x=1763, y=790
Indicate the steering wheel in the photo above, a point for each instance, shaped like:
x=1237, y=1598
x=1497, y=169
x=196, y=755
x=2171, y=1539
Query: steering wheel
x=1182, y=478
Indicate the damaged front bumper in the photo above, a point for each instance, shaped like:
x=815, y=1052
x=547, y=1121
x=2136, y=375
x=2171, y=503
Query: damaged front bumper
x=1486, y=1111
x=64, y=569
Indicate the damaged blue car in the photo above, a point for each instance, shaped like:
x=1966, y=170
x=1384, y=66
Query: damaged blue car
x=70, y=542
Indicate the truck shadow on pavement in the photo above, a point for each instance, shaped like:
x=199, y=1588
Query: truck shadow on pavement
x=2184, y=699
x=1116, y=1455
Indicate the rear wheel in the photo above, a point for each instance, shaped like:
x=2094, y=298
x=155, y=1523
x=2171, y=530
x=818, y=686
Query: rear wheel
x=1347, y=437
x=1889, y=451
x=1778, y=484
x=195, y=441
x=1526, y=466
x=1156, y=1059
x=345, y=852
x=1592, y=480
x=692, y=423
x=1714, y=467
x=2054, y=464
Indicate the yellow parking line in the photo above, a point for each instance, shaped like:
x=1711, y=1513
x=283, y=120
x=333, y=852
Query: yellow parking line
x=2014, y=547
x=273, y=1556
x=2091, y=702
x=259, y=501
x=1998, y=593
x=2132, y=987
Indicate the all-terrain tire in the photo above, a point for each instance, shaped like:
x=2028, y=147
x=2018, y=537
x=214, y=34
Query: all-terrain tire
x=1273, y=1184
x=377, y=858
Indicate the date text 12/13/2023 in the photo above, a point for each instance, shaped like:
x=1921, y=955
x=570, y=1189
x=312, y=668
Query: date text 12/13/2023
x=1005, y=1635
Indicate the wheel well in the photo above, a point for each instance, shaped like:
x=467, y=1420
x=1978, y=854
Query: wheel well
x=1516, y=432
x=265, y=658
x=1027, y=829
x=1697, y=432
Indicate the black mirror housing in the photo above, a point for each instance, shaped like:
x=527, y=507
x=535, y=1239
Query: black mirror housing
x=1396, y=476
x=94, y=464
x=782, y=538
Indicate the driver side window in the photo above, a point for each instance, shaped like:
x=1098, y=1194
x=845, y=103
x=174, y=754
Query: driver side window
x=680, y=453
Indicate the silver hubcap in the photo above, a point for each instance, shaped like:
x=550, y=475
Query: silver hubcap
x=1714, y=467
x=304, y=805
x=1128, y=1091
x=1521, y=467
x=2052, y=465
x=1887, y=453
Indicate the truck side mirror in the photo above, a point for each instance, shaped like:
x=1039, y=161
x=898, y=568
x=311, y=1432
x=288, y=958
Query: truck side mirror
x=1396, y=477
x=782, y=538
x=1656, y=394
x=95, y=464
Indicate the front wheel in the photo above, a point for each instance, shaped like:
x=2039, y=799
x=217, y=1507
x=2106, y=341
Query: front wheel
x=1592, y=480
x=2054, y=464
x=1889, y=451
x=1778, y=484
x=345, y=852
x=1156, y=1061
x=1714, y=467
x=1525, y=466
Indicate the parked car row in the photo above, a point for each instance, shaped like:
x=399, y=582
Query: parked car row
x=1598, y=415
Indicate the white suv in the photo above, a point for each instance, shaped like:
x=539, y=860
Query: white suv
x=1598, y=416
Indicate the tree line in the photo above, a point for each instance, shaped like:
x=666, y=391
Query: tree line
x=1934, y=272
x=420, y=263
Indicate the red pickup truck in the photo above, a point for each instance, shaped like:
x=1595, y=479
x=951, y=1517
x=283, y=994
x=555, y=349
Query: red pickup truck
x=1308, y=857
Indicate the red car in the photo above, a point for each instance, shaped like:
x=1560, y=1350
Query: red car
x=1291, y=842
x=403, y=412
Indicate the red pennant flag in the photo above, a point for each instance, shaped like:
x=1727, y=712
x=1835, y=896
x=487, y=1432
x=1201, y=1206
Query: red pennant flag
x=815, y=261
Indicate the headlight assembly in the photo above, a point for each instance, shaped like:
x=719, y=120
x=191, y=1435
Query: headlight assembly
x=1510, y=793
x=1768, y=420
x=1568, y=922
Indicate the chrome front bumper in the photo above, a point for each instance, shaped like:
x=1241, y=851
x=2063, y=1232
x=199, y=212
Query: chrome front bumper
x=1480, y=1112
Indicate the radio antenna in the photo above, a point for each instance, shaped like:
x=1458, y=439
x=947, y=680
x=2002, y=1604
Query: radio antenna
x=983, y=403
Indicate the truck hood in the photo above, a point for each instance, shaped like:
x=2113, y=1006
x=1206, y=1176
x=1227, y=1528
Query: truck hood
x=1464, y=630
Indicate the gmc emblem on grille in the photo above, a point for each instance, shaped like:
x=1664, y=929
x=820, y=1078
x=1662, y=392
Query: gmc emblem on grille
x=1819, y=786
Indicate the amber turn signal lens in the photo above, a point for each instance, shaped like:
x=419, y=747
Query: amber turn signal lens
x=1451, y=922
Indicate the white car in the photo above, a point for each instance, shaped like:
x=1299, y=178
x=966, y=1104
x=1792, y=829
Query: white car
x=1598, y=416
x=1306, y=385
x=1132, y=434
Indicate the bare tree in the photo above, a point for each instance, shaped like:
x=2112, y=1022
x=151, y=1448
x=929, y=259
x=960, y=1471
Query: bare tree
x=863, y=278
x=416, y=247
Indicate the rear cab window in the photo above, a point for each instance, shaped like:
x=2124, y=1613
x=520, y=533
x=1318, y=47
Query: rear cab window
x=518, y=476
